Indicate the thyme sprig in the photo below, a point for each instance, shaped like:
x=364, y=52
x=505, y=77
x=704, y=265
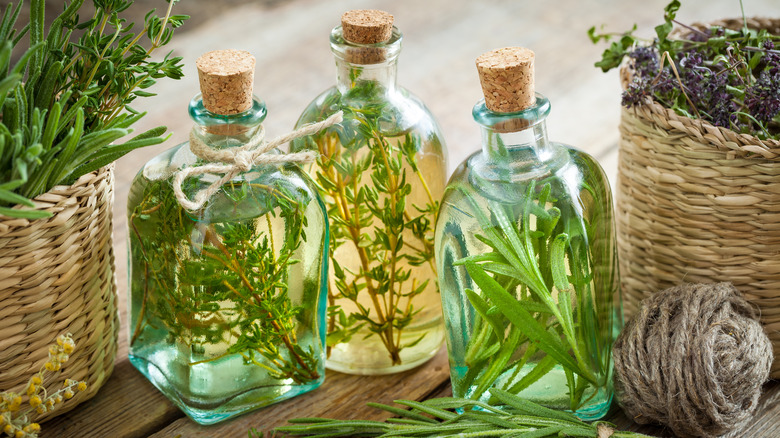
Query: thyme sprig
x=366, y=177
x=511, y=416
x=728, y=77
x=232, y=289
x=65, y=103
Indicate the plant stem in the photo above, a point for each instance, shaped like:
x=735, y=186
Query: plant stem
x=211, y=236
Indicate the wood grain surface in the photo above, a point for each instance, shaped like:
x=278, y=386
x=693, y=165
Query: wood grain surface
x=442, y=38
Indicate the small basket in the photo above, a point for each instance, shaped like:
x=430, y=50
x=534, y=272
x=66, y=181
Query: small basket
x=699, y=203
x=57, y=277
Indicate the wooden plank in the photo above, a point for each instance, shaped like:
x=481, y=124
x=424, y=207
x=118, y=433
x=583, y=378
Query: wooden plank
x=128, y=406
x=341, y=396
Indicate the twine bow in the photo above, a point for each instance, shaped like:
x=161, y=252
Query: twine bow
x=242, y=159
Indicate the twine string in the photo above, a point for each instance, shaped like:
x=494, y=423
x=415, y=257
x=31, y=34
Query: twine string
x=604, y=431
x=693, y=358
x=241, y=159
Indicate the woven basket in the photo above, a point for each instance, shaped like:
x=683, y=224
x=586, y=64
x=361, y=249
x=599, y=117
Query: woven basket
x=699, y=203
x=56, y=277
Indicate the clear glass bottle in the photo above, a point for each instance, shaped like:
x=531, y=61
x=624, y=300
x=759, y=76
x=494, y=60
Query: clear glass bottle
x=227, y=303
x=382, y=172
x=525, y=249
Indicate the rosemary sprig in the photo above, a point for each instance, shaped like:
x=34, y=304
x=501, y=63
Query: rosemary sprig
x=535, y=300
x=458, y=417
x=65, y=103
x=366, y=176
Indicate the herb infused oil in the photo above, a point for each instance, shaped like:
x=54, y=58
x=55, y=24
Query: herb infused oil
x=525, y=248
x=382, y=173
x=227, y=301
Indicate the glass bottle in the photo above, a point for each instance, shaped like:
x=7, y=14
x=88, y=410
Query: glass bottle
x=525, y=249
x=382, y=172
x=227, y=302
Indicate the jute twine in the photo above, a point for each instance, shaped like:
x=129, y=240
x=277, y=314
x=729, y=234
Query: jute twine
x=699, y=203
x=693, y=358
x=57, y=276
x=242, y=159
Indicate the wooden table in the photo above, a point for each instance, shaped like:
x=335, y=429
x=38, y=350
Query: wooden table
x=442, y=39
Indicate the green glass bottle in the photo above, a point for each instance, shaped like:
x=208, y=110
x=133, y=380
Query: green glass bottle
x=525, y=250
x=382, y=173
x=227, y=301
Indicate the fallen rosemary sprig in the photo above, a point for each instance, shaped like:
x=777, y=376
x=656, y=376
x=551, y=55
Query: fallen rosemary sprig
x=459, y=417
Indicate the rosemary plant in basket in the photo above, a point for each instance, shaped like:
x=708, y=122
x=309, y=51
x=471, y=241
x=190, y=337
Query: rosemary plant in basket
x=65, y=102
x=729, y=78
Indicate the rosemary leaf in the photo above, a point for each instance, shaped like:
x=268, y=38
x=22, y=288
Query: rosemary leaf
x=510, y=417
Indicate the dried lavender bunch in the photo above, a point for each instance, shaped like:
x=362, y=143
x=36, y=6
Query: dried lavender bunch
x=730, y=78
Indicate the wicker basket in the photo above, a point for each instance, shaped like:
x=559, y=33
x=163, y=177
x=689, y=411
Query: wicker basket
x=57, y=276
x=699, y=203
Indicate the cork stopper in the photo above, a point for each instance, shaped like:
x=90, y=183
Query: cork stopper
x=226, y=79
x=367, y=26
x=507, y=78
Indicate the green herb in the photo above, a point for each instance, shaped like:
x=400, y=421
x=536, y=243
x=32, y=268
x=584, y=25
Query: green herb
x=65, y=103
x=537, y=297
x=457, y=417
x=225, y=283
x=366, y=178
x=728, y=77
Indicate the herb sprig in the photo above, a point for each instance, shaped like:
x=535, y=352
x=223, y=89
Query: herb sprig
x=232, y=287
x=511, y=416
x=728, y=77
x=65, y=103
x=367, y=177
x=535, y=290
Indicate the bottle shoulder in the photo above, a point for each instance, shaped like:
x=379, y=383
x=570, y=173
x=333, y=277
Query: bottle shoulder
x=567, y=170
x=398, y=109
x=265, y=185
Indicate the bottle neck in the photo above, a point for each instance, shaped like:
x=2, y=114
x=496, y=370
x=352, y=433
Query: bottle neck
x=351, y=75
x=515, y=141
x=359, y=64
x=221, y=131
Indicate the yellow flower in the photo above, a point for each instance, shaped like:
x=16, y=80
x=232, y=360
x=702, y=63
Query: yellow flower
x=9, y=429
x=68, y=348
x=82, y=386
x=33, y=427
x=31, y=389
x=41, y=409
x=57, y=399
x=68, y=394
x=49, y=404
x=35, y=401
x=36, y=380
x=20, y=434
x=15, y=402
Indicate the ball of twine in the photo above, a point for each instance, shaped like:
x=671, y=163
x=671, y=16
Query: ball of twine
x=694, y=358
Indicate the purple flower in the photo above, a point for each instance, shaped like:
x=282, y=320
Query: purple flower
x=645, y=61
x=763, y=97
x=636, y=92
